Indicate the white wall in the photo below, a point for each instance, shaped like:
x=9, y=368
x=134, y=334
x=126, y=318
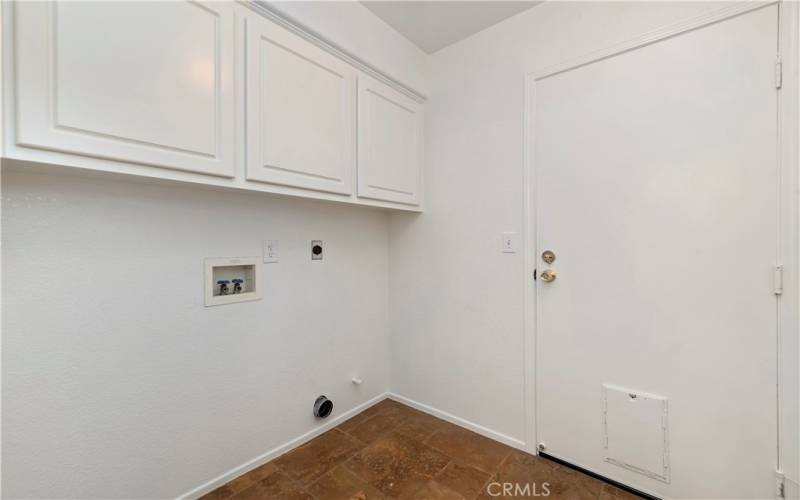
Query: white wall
x=143, y=392
x=456, y=308
x=118, y=382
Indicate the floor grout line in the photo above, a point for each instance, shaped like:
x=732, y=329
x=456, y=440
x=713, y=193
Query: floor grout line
x=443, y=468
x=483, y=488
x=296, y=482
x=493, y=475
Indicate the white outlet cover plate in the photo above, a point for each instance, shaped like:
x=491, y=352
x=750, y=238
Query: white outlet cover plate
x=510, y=242
x=270, y=251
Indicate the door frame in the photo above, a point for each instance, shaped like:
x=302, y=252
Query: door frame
x=787, y=456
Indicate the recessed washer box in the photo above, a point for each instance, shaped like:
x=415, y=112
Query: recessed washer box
x=233, y=279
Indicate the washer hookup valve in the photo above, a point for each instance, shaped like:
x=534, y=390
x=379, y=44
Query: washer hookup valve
x=237, y=285
x=223, y=287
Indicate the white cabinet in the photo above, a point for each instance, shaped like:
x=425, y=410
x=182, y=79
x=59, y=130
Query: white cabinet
x=300, y=111
x=139, y=82
x=390, y=153
x=217, y=93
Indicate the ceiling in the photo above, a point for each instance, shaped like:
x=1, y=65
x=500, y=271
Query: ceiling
x=433, y=25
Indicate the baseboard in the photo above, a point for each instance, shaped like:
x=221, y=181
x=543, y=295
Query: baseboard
x=278, y=451
x=792, y=489
x=489, y=433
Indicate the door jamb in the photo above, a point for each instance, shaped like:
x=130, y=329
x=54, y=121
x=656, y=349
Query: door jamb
x=788, y=309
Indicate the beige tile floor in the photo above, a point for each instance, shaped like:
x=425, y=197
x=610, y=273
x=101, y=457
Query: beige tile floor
x=391, y=451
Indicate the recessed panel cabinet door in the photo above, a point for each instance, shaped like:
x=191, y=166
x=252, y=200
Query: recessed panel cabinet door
x=389, y=144
x=138, y=82
x=300, y=112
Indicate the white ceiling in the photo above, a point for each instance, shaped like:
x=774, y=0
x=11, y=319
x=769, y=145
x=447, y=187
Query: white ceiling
x=432, y=25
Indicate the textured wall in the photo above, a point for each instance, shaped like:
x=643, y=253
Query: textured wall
x=118, y=382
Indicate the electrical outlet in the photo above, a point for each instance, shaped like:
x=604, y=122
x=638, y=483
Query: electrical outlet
x=316, y=250
x=270, y=251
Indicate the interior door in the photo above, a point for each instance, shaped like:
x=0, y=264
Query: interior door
x=656, y=181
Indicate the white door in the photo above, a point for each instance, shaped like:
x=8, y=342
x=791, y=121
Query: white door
x=138, y=82
x=301, y=111
x=655, y=187
x=389, y=143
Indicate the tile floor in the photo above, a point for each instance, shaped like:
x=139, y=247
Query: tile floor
x=391, y=451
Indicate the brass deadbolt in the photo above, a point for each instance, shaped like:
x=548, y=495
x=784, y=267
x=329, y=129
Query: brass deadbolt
x=548, y=256
x=548, y=275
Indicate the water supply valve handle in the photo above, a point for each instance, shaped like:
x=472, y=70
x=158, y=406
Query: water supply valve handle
x=223, y=287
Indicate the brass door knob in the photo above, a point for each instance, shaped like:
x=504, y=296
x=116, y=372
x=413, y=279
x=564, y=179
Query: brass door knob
x=548, y=275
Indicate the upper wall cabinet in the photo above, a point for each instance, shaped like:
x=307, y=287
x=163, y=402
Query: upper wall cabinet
x=139, y=82
x=389, y=144
x=218, y=93
x=300, y=109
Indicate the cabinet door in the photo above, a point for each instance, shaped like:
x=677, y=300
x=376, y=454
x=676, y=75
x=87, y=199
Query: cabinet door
x=389, y=144
x=300, y=111
x=138, y=82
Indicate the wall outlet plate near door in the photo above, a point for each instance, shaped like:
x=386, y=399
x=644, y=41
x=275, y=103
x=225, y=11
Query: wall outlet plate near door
x=510, y=242
x=270, y=251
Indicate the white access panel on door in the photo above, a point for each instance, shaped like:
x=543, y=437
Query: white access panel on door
x=636, y=436
x=300, y=111
x=389, y=143
x=138, y=82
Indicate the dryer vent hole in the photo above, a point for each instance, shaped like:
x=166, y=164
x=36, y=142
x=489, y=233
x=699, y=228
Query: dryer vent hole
x=323, y=407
